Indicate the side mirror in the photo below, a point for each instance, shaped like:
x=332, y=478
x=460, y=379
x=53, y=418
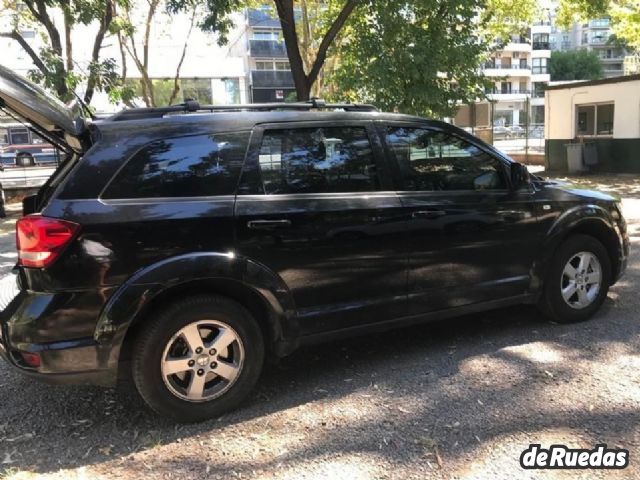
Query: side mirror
x=519, y=176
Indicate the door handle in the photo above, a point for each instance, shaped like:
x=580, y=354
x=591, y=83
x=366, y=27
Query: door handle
x=428, y=214
x=268, y=224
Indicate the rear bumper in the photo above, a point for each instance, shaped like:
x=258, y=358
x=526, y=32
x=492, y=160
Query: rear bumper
x=38, y=324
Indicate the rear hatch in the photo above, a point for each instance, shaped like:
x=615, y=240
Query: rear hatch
x=63, y=126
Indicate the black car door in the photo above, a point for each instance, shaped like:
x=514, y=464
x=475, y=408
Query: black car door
x=471, y=238
x=316, y=206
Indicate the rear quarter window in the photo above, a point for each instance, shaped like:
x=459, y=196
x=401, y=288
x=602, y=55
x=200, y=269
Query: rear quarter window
x=196, y=166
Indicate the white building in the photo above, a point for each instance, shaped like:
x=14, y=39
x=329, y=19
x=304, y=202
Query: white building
x=605, y=114
x=521, y=71
x=217, y=74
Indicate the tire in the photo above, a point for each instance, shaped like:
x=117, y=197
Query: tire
x=25, y=160
x=583, y=301
x=165, y=338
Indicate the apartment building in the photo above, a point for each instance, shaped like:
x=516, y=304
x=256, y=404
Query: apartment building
x=521, y=71
x=265, y=57
x=595, y=36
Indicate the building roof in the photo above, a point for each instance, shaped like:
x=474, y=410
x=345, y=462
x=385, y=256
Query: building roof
x=589, y=83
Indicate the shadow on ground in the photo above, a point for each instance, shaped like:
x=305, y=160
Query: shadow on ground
x=427, y=362
x=459, y=384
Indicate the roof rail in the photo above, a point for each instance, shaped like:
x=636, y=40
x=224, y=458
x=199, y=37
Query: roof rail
x=193, y=106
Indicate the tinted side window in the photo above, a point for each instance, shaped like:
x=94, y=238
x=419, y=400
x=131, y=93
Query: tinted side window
x=432, y=160
x=182, y=167
x=317, y=160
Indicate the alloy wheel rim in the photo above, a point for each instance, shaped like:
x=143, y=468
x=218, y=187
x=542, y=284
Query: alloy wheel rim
x=202, y=360
x=581, y=280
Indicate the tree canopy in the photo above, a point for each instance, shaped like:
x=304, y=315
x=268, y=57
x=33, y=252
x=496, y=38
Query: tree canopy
x=624, y=15
x=419, y=56
x=56, y=66
x=575, y=65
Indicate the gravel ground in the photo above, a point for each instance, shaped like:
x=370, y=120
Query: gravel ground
x=457, y=399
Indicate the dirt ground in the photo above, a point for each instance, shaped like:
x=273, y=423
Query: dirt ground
x=455, y=399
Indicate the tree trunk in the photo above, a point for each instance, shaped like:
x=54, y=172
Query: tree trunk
x=288, y=24
x=37, y=61
x=68, y=24
x=176, y=85
x=304, y=81
x=38, y=9
x=153, y=5
x=97, y=45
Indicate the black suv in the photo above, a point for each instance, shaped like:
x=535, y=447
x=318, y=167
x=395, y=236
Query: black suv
x=183, y=245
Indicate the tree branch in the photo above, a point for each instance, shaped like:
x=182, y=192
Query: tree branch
x=176, y=86
x=97, y=45
x=15, y=35
x=288, y=24
x=328, y=39
x=39, y=10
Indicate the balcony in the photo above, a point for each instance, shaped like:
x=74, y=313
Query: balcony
x=271, y=79
x=267, y=49
x=517, y=45
x=541, y=46
x=262, y=18
x=515, y=70
x=514, y=94
x=600, y=23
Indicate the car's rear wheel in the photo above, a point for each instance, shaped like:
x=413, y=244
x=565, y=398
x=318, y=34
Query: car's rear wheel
x=577, y=281
x=198, y=358
x=25, y=160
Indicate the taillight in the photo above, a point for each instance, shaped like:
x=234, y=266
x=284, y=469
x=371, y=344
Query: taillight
x=41, y=239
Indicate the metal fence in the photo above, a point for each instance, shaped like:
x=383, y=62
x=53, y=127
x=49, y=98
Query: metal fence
x=515, y=135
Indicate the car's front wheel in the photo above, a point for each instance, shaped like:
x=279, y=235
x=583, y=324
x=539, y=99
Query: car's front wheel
x=198, y=358
x=577, y=281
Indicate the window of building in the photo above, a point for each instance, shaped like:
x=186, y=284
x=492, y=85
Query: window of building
x=539, y=65
x=599, y=36
x=505, y=87
x=197, y=89
x=317, y=160
x=594, y=119
x=432, y=161
x=540, y=41
x=265, y=35
x=193, y=166
x=232, y=90
x=600, y=23
x=272, y=65
x=538, y=89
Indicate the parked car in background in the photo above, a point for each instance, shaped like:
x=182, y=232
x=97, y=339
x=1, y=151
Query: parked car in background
x=515, y=131
x=182, y=246
x=21, y=147
x=536, y=131
x=500, y=132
